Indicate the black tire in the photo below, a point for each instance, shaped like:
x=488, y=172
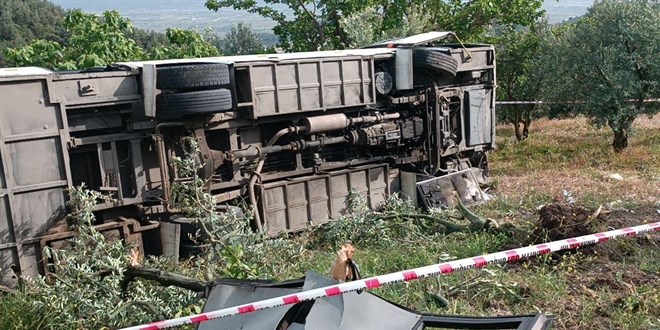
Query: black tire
x=189, y=242
x=435, y=61
x=176, y=105
x=479, y=159
x=192, y=76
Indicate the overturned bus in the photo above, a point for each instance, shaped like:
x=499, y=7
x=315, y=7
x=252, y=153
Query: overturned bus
x=290, y=134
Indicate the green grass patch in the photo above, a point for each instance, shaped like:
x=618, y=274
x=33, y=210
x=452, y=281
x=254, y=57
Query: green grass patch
x=610, y=286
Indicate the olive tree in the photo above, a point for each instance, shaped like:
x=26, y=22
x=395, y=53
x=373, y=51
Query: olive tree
x=241, y=40
x=606, y=64
x=473, y=19
x=521, y=71
x=314, y=24
x=86, y=289
x=368, y=26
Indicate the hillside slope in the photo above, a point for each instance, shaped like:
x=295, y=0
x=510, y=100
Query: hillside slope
x=24, y=20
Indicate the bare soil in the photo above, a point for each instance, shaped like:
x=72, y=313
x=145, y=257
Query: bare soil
x=560, y=220
x=604, y=286
x=600, y=281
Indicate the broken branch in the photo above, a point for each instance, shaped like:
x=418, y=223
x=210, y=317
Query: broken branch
x=163, y=277
x=475, y=220
x=451, y=227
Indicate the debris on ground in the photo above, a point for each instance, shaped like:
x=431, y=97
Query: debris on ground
x=475, y=220
x=344, y=268
x=559, y=221
x=613, y=204
x=615, y=176
x=351, y=310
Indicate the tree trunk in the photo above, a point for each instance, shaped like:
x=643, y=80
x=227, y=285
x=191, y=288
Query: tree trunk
x=620, y=129
x=528, y=121
x=620, y=141
x=340, y=32
x=516, y=125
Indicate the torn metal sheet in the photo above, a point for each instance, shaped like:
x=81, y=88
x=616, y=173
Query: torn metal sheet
x=439, y=192
x=351, y=310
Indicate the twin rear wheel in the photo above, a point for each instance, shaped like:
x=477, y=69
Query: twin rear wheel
x=198, y=89
x=193, y=89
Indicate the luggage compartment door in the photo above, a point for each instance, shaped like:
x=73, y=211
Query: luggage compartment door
x=32, y=172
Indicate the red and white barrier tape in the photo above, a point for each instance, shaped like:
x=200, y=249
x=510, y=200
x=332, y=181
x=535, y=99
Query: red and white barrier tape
x=567, y=102
x=405, y=276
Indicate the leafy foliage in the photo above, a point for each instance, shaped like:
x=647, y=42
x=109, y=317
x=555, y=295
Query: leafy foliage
x=23, y=21
x=97, y=41
x=148, y=39
x=17, y=311
x=101, y=40
x=521, y=71
x=40, y=52
x=368, y=26
x=317, y=24
x=241, y=40
x=185, y=43
x=471, y=20
x=398, y=221
x=606, y=59
x=85, y=290
x=359, y=225
x=230, y=247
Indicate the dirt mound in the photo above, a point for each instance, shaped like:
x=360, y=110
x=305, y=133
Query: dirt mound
x=559, y=221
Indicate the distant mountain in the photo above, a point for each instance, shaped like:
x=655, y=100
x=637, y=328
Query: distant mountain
x=161, y=14
x=22, y=21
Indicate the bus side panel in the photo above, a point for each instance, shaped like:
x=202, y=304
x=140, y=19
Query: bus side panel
x=32, y=176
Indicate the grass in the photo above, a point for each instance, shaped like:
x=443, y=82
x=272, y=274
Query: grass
x=573, y=155
x=608, y=286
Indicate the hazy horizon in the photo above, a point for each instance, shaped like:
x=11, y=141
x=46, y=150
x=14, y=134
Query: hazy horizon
x=193, y=14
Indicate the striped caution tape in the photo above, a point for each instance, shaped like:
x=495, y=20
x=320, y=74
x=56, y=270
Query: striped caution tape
x=568, y=102
x=405, y=276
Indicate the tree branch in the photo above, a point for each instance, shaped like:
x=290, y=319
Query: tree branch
x=319, y=26
x=340, y=32
x=640, y=75
x=602, y=72
x=8, y=290
x=163, y=277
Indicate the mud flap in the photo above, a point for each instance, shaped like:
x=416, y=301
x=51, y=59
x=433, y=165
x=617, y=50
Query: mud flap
x=439, y=192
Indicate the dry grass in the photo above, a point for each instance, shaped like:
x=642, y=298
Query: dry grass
x=573, y=155
x=609, y=286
